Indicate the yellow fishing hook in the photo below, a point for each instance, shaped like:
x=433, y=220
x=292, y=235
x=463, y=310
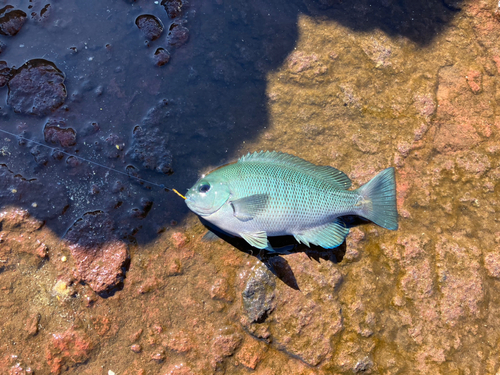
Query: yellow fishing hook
x=179, y=194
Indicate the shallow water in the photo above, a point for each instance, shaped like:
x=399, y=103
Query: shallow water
x=356, y=85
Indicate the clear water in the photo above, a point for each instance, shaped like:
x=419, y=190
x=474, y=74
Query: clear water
x=357, y=85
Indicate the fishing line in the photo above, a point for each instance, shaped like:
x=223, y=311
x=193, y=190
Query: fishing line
x=93, y=162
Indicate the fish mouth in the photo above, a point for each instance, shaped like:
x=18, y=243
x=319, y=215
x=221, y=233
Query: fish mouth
x=199, y=210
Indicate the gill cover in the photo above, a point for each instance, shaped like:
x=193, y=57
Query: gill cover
x=207, y=195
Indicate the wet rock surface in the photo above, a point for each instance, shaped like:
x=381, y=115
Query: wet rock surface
x=150, y=149
x=177, y=35
x=56, y=132
x=172, y=7
x=36, y=88
x=11, y=20
x=99, y=257
x=150, y=26
x=161, y=56
x=258, y=296
x=4, y=73
x=414, y=88
x=25, y=192
x=67, y=349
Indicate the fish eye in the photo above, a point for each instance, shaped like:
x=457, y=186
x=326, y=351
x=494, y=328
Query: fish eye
x=204, y=187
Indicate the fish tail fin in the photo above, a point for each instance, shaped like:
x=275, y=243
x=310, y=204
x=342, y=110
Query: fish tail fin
x=379, y=200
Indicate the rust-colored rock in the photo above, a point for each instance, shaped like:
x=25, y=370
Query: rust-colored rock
x=251, y=353
x=221, y=290
x=32, y=324
x=492, y=264
x=178, y=369
x=67, y=349
x=99, y=256
x=136, y=348
x=474, y=79
x=100, y=267
x=289, y=318
x=224, y=346
x=179, y=341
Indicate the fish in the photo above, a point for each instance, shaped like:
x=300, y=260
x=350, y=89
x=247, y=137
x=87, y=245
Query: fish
x=271, y=193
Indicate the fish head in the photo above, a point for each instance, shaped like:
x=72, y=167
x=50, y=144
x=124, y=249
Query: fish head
x=208, y=195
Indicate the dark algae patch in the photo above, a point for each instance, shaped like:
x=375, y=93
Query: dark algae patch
x=102, y=273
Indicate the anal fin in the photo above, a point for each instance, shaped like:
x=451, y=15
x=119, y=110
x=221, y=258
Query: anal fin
x=327, y=236
x=258, y=240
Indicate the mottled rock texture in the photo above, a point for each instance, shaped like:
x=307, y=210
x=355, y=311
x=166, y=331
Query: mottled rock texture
x=422, y=97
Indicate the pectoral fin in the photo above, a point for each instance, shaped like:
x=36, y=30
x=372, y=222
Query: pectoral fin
x=327, y=236
x=258, y=240
x=247, y=208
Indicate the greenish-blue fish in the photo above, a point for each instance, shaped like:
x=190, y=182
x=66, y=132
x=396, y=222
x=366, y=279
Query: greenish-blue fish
x=273, y=194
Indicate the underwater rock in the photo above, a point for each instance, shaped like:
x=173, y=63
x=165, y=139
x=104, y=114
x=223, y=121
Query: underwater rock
x=36, y=88
x=55, y=132
x=492, y=264
x=474, y=79
x=178, y=35
x=11, y=20
x=43, y=14
x=99, y=256
x=4, y=73
x=289, y=318
x=150, y=26
x=179, y=341
x=224, y=346
x=259, y=296
x=17, y=190
x=2, y=46
x=461, y=285
x=425, y=105
x=172, y=7
x=18, y=235
x=150, y=148
x=161, y=56
x=251, y=353
x=67, y=349
x=177, y=369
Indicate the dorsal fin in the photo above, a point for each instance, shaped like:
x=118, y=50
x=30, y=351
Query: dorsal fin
x=328, y=174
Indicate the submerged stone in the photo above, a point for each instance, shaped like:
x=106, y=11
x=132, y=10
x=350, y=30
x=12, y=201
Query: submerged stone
x=55, y=132
x=150, y=26
x=161, y=57
x=11, y=20
x=178, y=35
x=150, y=148
x=4, y=73
x=99, y=256
x=36, y=88
x=258, y=296
x=172, y=7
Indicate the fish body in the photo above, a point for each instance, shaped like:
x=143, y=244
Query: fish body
x=273, y=194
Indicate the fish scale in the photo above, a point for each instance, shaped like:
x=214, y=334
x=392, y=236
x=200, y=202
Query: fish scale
x=297, y=200
x=272, y=194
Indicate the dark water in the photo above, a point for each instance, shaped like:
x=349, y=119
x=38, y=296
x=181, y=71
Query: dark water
x=165, y=124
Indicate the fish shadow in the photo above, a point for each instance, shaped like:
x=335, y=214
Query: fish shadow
x=283, y=245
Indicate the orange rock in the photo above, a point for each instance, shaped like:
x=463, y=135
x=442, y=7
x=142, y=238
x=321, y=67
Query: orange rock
x=67, y=349
x=251, y=353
